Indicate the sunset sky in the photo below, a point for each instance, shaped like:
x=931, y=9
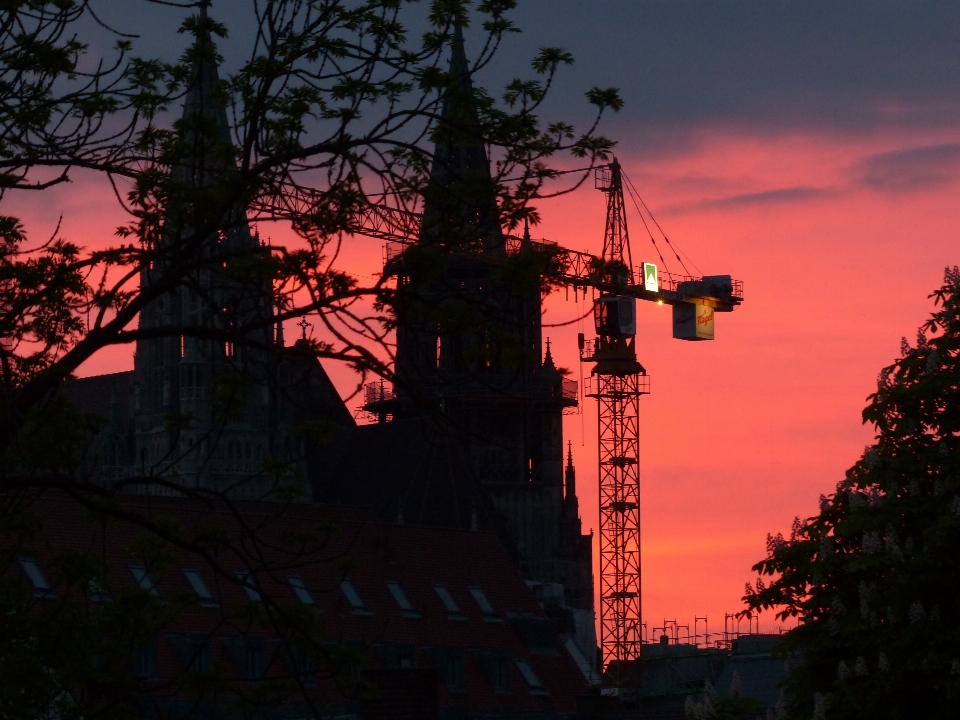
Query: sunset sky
x=811, y=150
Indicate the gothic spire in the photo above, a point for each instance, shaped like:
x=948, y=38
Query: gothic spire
x=204, y=119
x=460, y=201
x=570, y=476
x=548, y=369
x=525, y=242
x=458, y=55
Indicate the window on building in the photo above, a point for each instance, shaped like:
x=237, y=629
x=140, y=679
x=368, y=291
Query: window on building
x=403, y=602
x=452, y=669
x=453, y=610
x=357, y=605
x=41, y=588
x=254, y=665
x=145, y=660
x=300, y=589
x=229, y=349
x=143, y=579
x=489, y=614
x=397, y=655
x=200, y=588
x=193, y=651
x=183, y=346
x=533, y=682
x=500, y=675
x=247, y=653
x=303, y=660
x=249, y=587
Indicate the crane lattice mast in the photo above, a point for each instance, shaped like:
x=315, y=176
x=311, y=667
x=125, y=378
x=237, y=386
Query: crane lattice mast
x=618, y=381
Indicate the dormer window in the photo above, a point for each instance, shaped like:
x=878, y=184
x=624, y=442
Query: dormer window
x=357, y=605
x=453, y=610
x=400, y=597
x=300, y=589
x=200, y=588
x=489, y=614
x=41, y=588
x=533, y=682
x=248, y=587
x=143, y=579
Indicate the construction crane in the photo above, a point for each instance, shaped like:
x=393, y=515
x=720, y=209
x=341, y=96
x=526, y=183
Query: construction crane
x=617, y=382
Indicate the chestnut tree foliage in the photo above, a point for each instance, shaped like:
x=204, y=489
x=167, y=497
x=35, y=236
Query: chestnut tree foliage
x=873, y=578
x=334, y=107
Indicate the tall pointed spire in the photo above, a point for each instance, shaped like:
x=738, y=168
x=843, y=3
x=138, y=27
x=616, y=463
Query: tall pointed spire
x=460, y=203
x=548, y=369
x=458, y=55
x=525, y=242
x=570, y=477
x=204, y=119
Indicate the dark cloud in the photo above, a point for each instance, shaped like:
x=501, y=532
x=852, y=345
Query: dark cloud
x=756, y=65
x=914, y=169
x=751, y=66
x=766, y=197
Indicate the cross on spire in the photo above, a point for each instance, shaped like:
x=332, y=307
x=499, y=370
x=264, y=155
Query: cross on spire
x=303, y=325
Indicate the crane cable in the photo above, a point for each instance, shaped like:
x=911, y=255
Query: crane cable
x=647, y=228
x=673, y=246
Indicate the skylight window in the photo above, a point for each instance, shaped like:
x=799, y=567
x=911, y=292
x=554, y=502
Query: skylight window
x=248, y=587
x=200, y=588
x=455, y=613
x=529, y=676
x=41, y=588
x=143, y=579
x=489, y=614
x=403, y=602
x=299, y=589
x=353, y=597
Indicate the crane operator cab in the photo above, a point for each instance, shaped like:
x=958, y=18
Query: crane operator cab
x=615, y=320
x=615, y=316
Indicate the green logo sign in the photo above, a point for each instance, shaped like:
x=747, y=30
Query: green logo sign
x=650, y=278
